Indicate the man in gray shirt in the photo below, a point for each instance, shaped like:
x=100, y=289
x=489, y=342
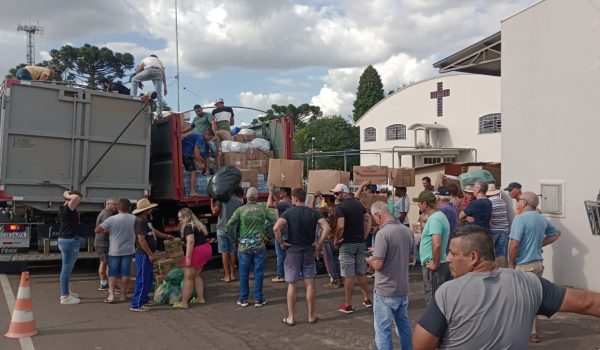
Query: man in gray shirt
x=391, y=257
x=121, y=236
x=101, y=241
x=227, y=240
x=461, y=316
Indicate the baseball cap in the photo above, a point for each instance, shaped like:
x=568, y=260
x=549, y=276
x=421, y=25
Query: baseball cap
x=443, y=191
x=219, y=100
x=512, y=186
x=426, y=196
x=252, y=192
x=340, y=188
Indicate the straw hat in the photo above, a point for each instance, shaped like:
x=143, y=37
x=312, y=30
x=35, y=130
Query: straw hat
x=143, y=205
x=492, y=191
x=469, y=189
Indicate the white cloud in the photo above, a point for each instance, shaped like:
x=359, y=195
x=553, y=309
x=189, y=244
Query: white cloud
x=334, y=102
x=264, y=101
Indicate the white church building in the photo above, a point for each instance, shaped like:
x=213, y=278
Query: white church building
x=448, y=118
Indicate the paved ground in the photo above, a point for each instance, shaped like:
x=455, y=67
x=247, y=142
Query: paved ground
x=221, y=324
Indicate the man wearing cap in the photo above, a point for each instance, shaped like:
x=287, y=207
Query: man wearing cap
x=434, y=244
x=205, y=121
x=252, y=219
x=353, y=223
x=479, y=211
x=101, y=241
x=36, y=73
x=529, y=232
x=498, y=224
x=445, y=206
x=225, y=119
x=144, y=253
x=151, y=68
x=514, y=191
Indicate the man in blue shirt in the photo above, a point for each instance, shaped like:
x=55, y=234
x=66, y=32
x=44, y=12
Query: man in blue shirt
x=528, y=234
x=479, y=211
x=195, y=155
x=446, y=207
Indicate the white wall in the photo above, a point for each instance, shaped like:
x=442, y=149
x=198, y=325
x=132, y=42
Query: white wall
x=551, y=122
x=471, y=96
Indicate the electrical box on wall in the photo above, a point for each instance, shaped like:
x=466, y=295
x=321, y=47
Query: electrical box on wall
x=552, y=201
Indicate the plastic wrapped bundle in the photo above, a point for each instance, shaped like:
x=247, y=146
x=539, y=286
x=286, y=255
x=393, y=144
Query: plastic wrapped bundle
x=261, y=144
x=246, y=132
x=202, y=183
x=262, y=183
x=234, y=147
x=186, y=183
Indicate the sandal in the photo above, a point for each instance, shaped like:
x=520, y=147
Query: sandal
x=109, y=301
x=195, y=300
x=285, y=322
x=314, y=320
x=535, y=338
x=179, y=305
x=223, y=279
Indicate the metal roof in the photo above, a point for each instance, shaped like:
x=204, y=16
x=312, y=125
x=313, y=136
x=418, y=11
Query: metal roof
x=482, y=57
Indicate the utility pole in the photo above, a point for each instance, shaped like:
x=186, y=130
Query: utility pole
x=31, y=30
x=177, y=54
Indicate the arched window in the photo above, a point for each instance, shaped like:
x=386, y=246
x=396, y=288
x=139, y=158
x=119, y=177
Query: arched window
x=370, y=134
x=395, y=132
x=490, y=123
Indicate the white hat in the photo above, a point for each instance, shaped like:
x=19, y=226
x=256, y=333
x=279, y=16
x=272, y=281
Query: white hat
x=143, y=205
x=340, y=188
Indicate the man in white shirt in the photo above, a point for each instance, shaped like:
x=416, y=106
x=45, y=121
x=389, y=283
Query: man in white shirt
x=151, y=68
x=402, y=206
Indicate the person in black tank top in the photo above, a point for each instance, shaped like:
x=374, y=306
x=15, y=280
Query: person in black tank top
x=69, y=243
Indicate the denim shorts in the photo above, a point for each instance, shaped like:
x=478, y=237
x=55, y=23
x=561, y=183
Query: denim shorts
x=119, y=265
x=352, y=259
x=301, y=265
x=225, y=242
x=499, y=238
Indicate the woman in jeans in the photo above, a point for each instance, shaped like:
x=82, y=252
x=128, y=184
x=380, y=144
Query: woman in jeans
x=69, y=243
x=197, y=253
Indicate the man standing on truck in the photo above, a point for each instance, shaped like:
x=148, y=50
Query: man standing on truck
x=69, y=242
x=202, y=122
x=101, y=241
x=225, y=238
x=36, y=73
x=225, y=119
x=195, y=155
x=151, y=68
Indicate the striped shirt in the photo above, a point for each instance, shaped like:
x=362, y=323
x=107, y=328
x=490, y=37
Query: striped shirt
x=499, y=214
x=402, y=205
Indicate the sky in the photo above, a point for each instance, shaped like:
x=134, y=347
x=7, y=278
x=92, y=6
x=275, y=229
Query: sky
x=256, y=53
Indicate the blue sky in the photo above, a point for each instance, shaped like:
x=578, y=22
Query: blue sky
x=256, y=53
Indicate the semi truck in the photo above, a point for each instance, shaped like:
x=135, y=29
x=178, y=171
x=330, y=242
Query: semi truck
x=56, y=137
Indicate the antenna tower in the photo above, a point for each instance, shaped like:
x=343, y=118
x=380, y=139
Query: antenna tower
x=31, y=30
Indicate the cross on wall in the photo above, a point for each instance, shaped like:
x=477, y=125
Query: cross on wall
x=439, y=94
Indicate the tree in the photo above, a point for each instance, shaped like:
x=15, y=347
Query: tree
x=300, y=115
x=369, y=92
x=87, y=64
x=332, y=133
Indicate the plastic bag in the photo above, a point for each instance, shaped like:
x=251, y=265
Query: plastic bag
x=261, y=144
x=225, y=181
x=247, y=132
x=175, y=276
x=472, y=177
x=176, y=295
x=234, y=147
x=162, y=293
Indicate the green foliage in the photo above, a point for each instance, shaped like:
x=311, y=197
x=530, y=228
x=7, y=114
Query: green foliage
x=300, y=114
x=332, y=133
x=369, y=92
x=87, y=64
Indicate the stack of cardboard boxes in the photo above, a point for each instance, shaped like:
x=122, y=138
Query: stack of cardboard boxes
x=168, y=260
x=253, y=164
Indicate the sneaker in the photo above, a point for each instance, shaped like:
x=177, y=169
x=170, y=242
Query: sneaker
x=260, y=303
x=103, y=287
x=69, y=300
x=332, y=285
x=278, y=280
x=367, y=303
x=347, y=309
x=242, y=303
x=139, y=309
x=195, y=300
x=73, y=294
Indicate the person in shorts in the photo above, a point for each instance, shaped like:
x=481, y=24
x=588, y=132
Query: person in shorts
x=195, y=155
x=226, y=240
x=101, y=241
x=353, y=222
x=121, y=248
x=299, y=263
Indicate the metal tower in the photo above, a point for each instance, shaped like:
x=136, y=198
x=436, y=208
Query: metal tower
x=31, y=30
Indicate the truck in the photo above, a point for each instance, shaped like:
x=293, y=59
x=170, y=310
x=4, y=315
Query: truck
x=56, y=137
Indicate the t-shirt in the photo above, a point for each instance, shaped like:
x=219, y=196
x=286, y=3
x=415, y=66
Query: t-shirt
x=252, y=219
x=451, y=215
x=203, y=122
x=530, y=229
x=499, y=219
x=120, y=88
x=402, y=205
x=192, y=141
x=282, y=206
x=302, y=225
x=222, y=116
x=465, y=318
x=226, y=211
x=121, y=234
x=437, y=224
x=481, y=211
x=37, y=71
x=144, y=228
x=70, y=223
x=101, y=239
x=329, y=215
x=199, y=237
x=353, y=213
x=394, y=246
x=152, y=62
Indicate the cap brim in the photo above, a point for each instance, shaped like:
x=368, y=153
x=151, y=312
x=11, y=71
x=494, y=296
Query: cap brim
x=492, y=193
x=137, y=211
x=416, y=200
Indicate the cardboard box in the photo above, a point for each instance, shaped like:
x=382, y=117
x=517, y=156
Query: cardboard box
x=260, y=165
x=402, y=177
x=175, y=252
x=179, y=260
x=377, y=174
x=172, y=243
x=285, y=173
x=445, y=180
x=236, y=159
x=249, y=178
x=158, y=279
x=367, y=199
x=324, y=180
x=257, y=154
x=165, y=265
x=160, y=255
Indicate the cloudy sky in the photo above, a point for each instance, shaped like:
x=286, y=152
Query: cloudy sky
x=256, y=53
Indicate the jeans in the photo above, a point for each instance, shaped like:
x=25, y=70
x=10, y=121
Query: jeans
x=23, y=74
x=499, y=238
x=331, y=261
x=256, y=258
x=143, y=280
x=154, y=74
x=69, y=250
x=388, y=311
x=280, y=258
x=119, y=265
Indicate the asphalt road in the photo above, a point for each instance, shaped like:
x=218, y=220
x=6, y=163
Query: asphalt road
x=221, y=324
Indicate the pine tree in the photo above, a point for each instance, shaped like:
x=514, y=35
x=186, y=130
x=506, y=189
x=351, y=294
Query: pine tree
x=369, y=92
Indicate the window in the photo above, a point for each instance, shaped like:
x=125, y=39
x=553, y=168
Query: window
x=490, y=124
x=395, y=132
x=370, y=134
x=438, y=160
